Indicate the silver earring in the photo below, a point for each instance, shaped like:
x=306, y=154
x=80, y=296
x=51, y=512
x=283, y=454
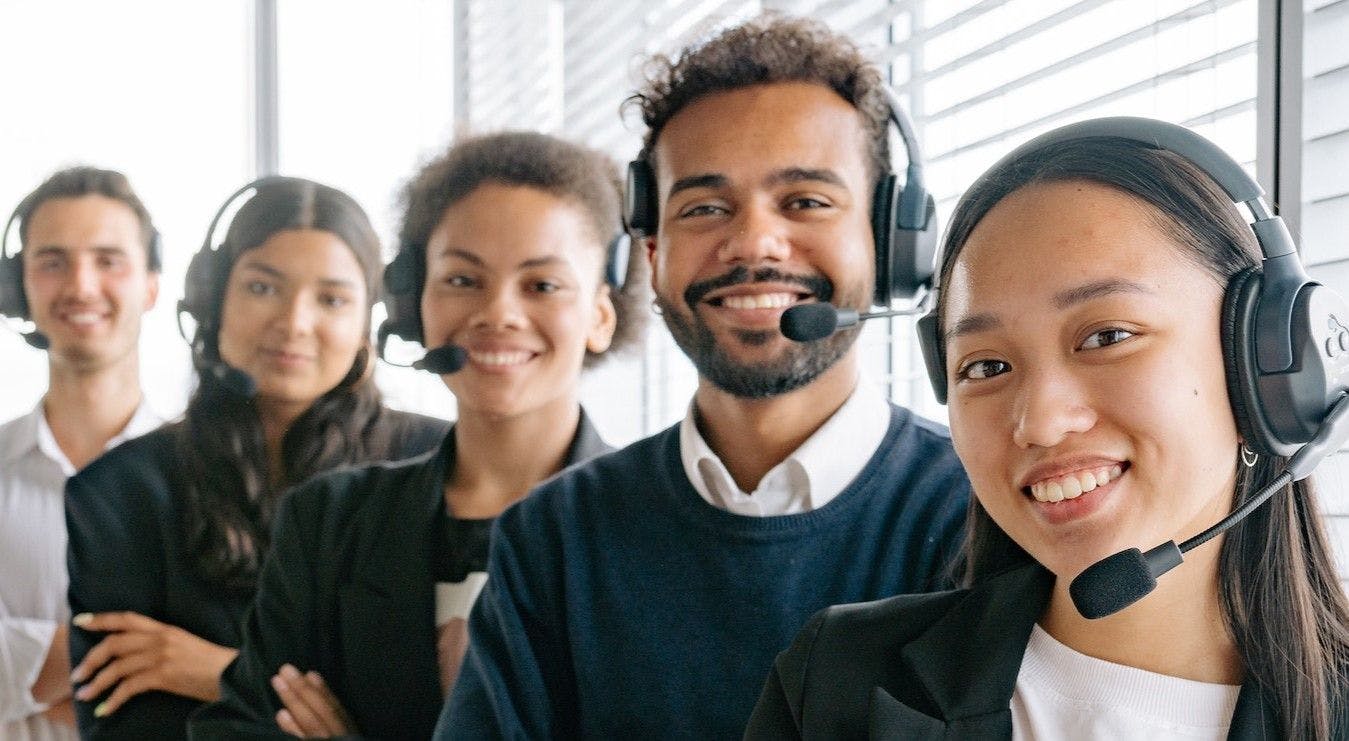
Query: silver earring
x=1247, y=457
x=655, y=308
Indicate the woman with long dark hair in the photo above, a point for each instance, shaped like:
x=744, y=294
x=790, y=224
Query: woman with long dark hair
x=510, y=250
x=168, y=531
x=1091, y=341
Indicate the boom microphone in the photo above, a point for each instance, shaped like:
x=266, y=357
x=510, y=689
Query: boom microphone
x=1117, y=581
x=810, y=322
x=442, y=360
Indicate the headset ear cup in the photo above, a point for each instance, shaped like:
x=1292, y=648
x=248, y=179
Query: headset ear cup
x=883, y=202
x=934, y=354
x=616, y=261
x=13, y=302
x=639, y=199
x=1238, y=314
x=403, y=280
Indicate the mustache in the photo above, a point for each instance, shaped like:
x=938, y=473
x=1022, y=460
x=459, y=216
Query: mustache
x=821, y=287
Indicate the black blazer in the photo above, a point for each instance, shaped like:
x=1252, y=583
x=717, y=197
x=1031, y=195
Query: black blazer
x=125, y=553
x=348, y=590
x=928, y=666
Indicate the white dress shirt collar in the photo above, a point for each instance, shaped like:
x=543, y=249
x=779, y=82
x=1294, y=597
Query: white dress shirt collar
x=810, y=477
x=31, y=432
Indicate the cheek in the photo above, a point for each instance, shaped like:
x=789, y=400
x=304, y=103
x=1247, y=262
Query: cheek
x=440, y=319
x=342, y=337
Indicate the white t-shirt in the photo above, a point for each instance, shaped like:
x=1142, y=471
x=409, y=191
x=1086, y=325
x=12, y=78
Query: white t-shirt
x=33, y=579
x=1062, y=694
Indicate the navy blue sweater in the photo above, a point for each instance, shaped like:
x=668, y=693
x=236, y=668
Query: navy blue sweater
x=620, y=604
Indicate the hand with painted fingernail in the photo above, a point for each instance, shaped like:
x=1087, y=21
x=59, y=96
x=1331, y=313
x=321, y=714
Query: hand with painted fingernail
x=311, y=709
x=141, y=654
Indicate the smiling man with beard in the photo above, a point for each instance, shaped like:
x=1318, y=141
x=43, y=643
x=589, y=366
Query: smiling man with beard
x=646, y=593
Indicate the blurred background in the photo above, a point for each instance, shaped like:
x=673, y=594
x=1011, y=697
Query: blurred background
x=191, y=100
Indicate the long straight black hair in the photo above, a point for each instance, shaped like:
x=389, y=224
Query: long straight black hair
x=1278, y=587
x=226, y=512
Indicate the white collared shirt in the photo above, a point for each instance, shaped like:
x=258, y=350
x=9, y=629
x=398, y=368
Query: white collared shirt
x=33, y=578
x=810, y=477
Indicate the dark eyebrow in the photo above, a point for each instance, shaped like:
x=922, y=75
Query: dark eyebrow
x=461, y=254
x=803, y=174
x=706, y=180
x=266, y=269
x=1062, y=300
x=1097, y=289
x=972, y=324
x=535, y=262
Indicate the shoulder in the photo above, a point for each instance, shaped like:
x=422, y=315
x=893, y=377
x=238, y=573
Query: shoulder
x=864, y=627
x=412, y=433
x=344, y=493
x=133, y=467
x=594, y=488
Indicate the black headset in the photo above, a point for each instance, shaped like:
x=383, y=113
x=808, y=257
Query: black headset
x=1285, y=337
x=405, y=277
x=204, y=285
x=13, y=300
x=903, y=219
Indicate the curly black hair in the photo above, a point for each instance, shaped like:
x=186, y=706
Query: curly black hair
x=767, y=49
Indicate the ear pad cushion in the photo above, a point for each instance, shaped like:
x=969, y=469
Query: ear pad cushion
x=1238, y=316
x=13, y=303
x=882, y=234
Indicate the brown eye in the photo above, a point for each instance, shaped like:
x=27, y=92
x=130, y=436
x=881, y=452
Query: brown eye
x=1105, y=337
x=981, y=369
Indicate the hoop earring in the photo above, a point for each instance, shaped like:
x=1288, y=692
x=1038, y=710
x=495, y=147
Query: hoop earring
x=1247, y=457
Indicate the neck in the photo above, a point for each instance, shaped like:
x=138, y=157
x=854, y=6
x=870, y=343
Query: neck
x=277, y=418
x=87, y=408
x=1177, y=630
x=499, y=459
x=750, y=436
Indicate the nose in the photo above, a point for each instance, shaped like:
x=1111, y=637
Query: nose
x=83, y=281
x=760, y=235
x=500, y=309
x=1050, y=406
x=297, y=314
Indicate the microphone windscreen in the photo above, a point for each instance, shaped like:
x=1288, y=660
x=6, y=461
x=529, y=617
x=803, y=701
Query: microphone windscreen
x=1112, y=584
x=235, y=380
x=809, y=322
x=442, y=360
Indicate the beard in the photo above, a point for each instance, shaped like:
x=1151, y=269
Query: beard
x=796, y=366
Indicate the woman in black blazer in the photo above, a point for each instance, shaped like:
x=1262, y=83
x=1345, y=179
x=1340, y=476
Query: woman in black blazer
x=359, y=624
x=168, y=531
x=1091, y=335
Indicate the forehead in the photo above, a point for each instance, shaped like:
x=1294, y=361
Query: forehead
x=499, y=219
x=1048, y=237
x=82, y=221
x=306, y=254
x=763, y=128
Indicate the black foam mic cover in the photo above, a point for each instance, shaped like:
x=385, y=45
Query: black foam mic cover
x=809, y=322
x=1114, y=583
x=442, y=360
x=233, y=379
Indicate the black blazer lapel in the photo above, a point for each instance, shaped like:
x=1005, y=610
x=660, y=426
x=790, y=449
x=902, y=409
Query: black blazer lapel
x=968, y=661
x=387, y=611
x=586, y=444
x=1253, y=719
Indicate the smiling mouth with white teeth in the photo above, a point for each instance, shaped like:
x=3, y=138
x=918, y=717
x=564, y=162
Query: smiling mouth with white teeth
x=757, y=300
x=1074, y=485
x=84, y=317
x=500, y=359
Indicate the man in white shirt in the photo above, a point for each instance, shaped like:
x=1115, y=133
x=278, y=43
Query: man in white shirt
x=85, y=273
x=645, y=593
